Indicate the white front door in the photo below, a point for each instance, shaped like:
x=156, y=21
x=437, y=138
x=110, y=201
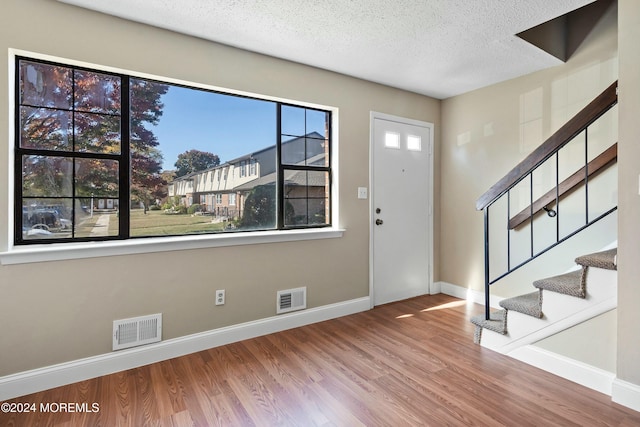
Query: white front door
x=401, y=196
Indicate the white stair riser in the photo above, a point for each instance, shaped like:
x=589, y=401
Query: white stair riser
x=559, y=310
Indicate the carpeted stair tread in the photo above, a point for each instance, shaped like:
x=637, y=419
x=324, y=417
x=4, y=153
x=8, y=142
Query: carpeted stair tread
x=605, y=259
x=572, y=283
x=530, y=304
x=497, y=322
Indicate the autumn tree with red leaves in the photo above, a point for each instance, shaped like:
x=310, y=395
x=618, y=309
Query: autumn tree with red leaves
x=66, y=110
x=147, y=183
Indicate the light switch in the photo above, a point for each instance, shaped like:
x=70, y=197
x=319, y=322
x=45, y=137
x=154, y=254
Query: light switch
x=362, y=192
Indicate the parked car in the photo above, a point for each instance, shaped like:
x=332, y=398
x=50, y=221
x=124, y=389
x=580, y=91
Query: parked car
x=44, y=219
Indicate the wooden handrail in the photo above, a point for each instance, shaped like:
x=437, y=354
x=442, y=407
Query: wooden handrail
x=606, y=158
x=561, y=137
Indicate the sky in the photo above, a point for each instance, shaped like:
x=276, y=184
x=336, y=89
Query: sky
x=207, y=121
x=229, y=126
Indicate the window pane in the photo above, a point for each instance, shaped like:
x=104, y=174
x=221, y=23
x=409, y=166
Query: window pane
x=306, y=198
x=414, y=143
x=46, y=218
x=259, y=208
x=96, y=133
x=45, y=129
x=44, y=85
x=98, y=178
x=96, y=217
x=300, y=121
x=97, y=93
x=44, y=176
x=305, y=151
x=214, y=149
x=304, y=136
x=392, y=140
x=316, y=122
x=293, y=121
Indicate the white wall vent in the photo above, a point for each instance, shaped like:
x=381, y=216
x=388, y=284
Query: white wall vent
x=291, y=300
x=137, y=331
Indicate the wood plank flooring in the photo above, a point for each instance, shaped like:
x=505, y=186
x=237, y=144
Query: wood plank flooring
x=403, y=364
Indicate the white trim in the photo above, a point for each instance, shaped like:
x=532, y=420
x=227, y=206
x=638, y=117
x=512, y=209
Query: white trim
x=403, y=120
x=573, y=370
x=626, y=394
x=558, y=326
x=64, y=251
x=36, y=380
x=436, y=288
x=621, y=392
x=467, y=294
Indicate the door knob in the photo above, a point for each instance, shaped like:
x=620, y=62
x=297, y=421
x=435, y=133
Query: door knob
x=379, y=221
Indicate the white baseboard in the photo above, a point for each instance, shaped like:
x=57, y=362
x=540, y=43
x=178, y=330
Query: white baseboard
x=573, y=370
x=466, y=294
x=40, y=379
x=626, y=394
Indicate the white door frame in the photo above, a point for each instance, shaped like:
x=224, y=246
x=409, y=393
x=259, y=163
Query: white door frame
x=373, y=116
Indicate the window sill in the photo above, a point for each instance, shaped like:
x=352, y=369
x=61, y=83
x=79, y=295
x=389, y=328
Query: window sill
x=60, y=252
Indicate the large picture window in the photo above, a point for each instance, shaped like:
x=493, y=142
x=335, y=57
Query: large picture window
x=104, y=156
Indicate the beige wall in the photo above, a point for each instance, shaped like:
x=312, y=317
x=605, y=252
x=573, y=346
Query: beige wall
x=582, y=341
x=592, y=342
x=487, y=132
x=629, y=204
x=60, y=311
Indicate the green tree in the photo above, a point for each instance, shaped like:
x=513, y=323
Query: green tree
x=260, y=208
x=194, y=161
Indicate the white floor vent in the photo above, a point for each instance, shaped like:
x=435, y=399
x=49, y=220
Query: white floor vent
x=137, y=331
x=291, y=300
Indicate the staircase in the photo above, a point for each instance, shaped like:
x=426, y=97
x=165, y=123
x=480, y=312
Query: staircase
x=544, y=201
x=569, y=299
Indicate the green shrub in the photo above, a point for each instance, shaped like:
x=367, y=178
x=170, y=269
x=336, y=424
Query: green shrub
x=194, y=208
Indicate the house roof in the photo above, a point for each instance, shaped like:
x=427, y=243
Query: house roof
x=291, y=177
x=314, y=135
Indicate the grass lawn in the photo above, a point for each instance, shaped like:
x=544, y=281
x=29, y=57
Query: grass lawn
x=158, y=223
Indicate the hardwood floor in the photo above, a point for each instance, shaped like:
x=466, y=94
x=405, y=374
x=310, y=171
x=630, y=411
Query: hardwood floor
x=406, y=363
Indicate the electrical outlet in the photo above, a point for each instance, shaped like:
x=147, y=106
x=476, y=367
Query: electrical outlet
x=220, y=297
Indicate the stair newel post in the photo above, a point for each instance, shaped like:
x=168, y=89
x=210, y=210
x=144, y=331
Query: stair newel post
x=487, y=313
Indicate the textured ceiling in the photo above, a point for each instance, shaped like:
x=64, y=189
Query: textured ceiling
x=439, y=48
